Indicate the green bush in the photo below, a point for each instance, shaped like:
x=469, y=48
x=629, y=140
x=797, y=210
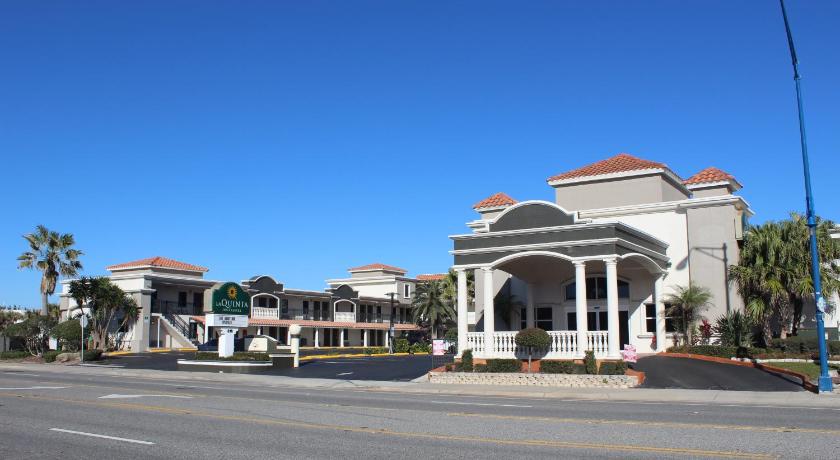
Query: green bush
x=735, y=329
x=420, y=347
x=93, y=355
x=706, y=350
x=480, y=368
x=561, y=367
x=533, y=338
x=613, y=368
x=214, y=356
x=504, y=365
x=401, y=346
x=68, y=334
x=589, y=362
x=14, y=354
x=49, y=356
x=804, y=345
x=451, y=335
x=467, y=361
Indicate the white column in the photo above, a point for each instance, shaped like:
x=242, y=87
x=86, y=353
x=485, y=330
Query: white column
x=316, y=342
x=489, y=313
x=365, y=337
x=580, y=307
x=660, y=313
x=529, y=307
x=294, y=342
x=341, y=338
x=462, y=310
x=612, y=309
x=206, y=332
x=289, y=336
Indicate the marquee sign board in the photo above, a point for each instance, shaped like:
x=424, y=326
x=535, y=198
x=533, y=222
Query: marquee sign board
x=228, y=299
x=217, y=320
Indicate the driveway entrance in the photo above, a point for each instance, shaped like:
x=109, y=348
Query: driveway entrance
x=693, y=374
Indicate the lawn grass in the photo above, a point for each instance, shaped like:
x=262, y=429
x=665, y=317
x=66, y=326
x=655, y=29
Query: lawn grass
x=812, y=370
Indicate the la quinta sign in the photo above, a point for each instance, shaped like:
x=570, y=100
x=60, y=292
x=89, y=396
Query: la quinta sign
x=230, y=305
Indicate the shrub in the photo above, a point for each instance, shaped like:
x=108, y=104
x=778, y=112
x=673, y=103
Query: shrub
x=467, y=361
x=706, y=350
x=213, y=356
x=33, y=331
x=613, y=368
x=804, y=345
x=68, y=334
x=420, y=347
x=49, y=356
x=589, y=362
x=14, y=354
x=480, y=368
x=504, y=365
x=449, y=367
x=451, y=335
x=735, y=329
x=533, y=337
x=401, y=346
x=95, y=355
x=560, y=367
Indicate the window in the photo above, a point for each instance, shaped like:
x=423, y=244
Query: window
x=316, y=306
x=306, y=309
x=650, y=319
x=198, y=302
x=182, y=299
x=284, y=309
x=262, y=301
x=406, y=290
x=596, y=288
x=523, y=320
x=544, y=318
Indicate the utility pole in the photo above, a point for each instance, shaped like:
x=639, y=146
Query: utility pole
x=825, y=385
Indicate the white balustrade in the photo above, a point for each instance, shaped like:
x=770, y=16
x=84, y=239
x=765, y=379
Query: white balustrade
x=264, y=312
x=564, y=345
x=345, y=317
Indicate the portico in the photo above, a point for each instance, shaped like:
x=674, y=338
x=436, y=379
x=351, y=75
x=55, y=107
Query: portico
x=590, y=285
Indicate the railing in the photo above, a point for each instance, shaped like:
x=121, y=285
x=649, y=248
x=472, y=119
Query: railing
x=345, y=317
x=179, y=324
x=564, y=345
x=264, y=312
x=175, y=308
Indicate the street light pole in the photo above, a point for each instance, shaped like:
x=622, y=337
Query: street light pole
x=825, y=385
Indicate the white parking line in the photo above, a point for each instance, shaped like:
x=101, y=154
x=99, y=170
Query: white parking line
x=118, y=396
x=34, y=388
x=476, y=404
x=94, y=435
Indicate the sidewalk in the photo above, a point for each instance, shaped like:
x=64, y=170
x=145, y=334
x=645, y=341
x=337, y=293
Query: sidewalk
x=652, y=396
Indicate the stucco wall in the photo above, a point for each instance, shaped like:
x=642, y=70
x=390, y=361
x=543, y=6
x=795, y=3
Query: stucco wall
x=617, y=192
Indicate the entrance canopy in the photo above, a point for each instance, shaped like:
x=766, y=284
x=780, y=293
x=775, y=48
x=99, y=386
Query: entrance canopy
x=541, y=228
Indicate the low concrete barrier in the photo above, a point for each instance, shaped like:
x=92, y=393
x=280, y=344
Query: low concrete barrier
x=545, y=380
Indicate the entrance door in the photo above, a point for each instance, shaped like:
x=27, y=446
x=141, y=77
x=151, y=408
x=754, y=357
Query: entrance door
x=623, y=329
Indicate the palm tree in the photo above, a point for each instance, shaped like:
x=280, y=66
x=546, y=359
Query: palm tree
x=105, y=302
x=430, y=305
x=52, y=254
x=686, y=304
x=506, y=304
x=450, y=287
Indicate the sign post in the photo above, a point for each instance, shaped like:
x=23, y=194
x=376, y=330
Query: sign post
x=83, y=322
x=230, y=305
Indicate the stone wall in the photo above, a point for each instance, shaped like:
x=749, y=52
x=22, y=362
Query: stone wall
x=541, y=380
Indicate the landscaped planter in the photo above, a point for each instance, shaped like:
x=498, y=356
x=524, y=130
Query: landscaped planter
x=544, y=380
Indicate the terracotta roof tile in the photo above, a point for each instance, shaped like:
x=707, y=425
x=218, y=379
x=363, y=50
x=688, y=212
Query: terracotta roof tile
x=622, y=162
x=707, y=175
x=158, y=261
x=495, y=201
x=431, y=277
x=378, y=266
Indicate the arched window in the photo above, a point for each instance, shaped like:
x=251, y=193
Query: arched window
x=596, y=288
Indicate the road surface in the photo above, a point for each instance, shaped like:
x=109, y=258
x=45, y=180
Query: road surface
x=67, y=415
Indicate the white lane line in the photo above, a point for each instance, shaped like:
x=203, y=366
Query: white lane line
x=476, y=404
x=118, y=396
x=116, y=366
x=344, y=373
x=34, y=388
x=94, y=435
x=21, y=373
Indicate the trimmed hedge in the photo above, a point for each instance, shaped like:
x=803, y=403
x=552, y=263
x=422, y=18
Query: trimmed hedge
x=420, y=347
x=561, y=367
x=533, y=337
x=375, y=350
x=504, y=365
x=480, y=368
x=50, y=356
x=237, y=356
x=14, y=354
x=804, y=345
x=401, y=346
x=589, y=362
x=612, y=368
x=706, y=350
x=466, y=364
x=93, y=355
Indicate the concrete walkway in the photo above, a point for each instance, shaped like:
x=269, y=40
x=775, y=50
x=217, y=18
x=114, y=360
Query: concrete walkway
x=651, y=396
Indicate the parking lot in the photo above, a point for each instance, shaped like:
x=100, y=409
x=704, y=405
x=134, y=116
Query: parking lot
x=388, y=368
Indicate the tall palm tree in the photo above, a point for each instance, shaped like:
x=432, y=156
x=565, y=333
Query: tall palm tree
x=686, y=304
x=506, y=306
x=450, y=287
x=430, y=305
x=52, y=254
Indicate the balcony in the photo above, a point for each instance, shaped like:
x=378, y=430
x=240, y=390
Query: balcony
x=167, y=307
x=310, y=315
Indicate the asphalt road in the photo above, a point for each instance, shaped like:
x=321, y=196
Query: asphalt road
x=67, y=415
x=395, y=369
x=666, y=372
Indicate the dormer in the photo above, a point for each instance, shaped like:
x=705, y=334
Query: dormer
x=491, y=206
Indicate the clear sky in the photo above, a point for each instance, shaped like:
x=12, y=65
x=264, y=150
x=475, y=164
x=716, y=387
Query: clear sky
x=301, y=138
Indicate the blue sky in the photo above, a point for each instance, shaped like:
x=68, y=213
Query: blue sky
x=301, y=138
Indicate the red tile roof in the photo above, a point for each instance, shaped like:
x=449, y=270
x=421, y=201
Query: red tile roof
x=622, y=162
x=495, y=201
x=378, y=266
x=158, y=261
x=431, y=277
x=707, y=175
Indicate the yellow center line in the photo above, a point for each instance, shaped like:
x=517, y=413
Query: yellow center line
x=647, y=424
x=405, y=434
